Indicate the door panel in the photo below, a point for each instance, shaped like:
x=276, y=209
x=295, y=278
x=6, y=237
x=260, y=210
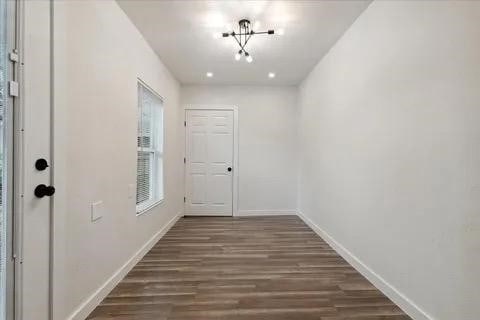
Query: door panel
x=36, y=144
x=199, y=193
x=199, y=147
x=209, y=154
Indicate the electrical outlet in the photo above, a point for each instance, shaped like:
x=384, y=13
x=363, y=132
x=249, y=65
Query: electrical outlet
x=97, y=210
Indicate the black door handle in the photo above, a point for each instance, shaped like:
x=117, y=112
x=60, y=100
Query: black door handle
x=42, y=190
x=229, y=169
x=41, y=164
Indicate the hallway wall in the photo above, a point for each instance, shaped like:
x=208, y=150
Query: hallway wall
x=267, y=142
x=99, y=55
x=384, y=130
x=390, y=151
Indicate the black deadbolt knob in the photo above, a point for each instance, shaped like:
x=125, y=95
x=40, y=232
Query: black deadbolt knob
x=41, y=164
x=229, y=169
x=42, y=190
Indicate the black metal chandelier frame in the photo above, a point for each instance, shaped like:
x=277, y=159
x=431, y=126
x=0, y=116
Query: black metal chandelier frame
x=243, y=36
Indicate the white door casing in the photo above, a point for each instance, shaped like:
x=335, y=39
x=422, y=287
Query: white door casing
x=8, y=105
x=209, y=155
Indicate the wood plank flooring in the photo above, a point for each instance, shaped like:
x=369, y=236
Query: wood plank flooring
x=268, y=268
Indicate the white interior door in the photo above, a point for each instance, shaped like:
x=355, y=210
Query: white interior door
x=209, y=162
x=25, y=137
x=35, y=143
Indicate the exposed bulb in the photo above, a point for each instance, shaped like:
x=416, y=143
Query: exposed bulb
x=248, y=58
x=280, y=32
x=238, y=55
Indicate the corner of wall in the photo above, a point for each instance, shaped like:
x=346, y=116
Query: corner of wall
x=92, y=301
x=407, y=305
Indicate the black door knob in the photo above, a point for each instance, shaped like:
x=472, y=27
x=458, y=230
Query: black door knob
x=42, y=190
x=41, y=164
x=229, y=169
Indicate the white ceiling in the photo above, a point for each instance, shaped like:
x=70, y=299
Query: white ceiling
x=181, y=32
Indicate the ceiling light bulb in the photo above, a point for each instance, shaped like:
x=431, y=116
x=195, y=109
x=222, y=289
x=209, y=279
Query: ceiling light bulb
x=271, y=75
x=238, y=55
x=280, y=32
x=209, y=74
x=248, y=58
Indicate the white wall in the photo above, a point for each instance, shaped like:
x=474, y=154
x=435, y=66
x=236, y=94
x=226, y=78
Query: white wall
x=267, y=142
x=390, y=150
x=389, y=147
x=99, y=55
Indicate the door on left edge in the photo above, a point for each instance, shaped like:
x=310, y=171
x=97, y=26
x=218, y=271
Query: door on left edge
x=36, y=121
x=25, y=137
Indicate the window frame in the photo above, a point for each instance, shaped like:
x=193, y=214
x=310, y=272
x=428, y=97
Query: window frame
x=156, y=151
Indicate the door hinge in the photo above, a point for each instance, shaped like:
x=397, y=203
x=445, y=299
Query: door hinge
x=184, y=160
x=13, y=56
x=13, y=88
x=185, y=123
x=184, y=199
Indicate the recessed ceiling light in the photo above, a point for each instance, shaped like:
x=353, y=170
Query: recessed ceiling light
x=209, y=74
x=271, y=75
x=280, y=32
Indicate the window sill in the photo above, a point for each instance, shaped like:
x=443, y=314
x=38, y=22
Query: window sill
x=147, y=207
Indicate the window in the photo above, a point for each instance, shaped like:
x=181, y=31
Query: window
x=149, y=148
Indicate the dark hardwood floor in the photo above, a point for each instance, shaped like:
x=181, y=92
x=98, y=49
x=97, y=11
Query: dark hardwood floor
x=269, y=268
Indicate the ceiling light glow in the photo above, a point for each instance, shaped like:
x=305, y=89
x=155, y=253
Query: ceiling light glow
x=248, y=57
x=215, y=20
x=280, y=32
x=238, y=55
x=271, y=75
x=209, y=74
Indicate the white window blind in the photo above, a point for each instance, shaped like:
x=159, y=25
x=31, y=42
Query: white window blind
x=149, y=148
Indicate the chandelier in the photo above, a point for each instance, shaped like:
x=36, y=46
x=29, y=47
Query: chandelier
x=244, y=34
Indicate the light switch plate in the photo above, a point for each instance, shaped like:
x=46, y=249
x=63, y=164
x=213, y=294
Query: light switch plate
x=97, y=210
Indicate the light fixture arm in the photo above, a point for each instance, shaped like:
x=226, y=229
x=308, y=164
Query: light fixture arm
x=245, y=33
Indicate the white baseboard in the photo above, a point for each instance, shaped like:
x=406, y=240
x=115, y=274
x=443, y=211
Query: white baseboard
x=250, y=213
x=89, y=304
x=407, y=305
